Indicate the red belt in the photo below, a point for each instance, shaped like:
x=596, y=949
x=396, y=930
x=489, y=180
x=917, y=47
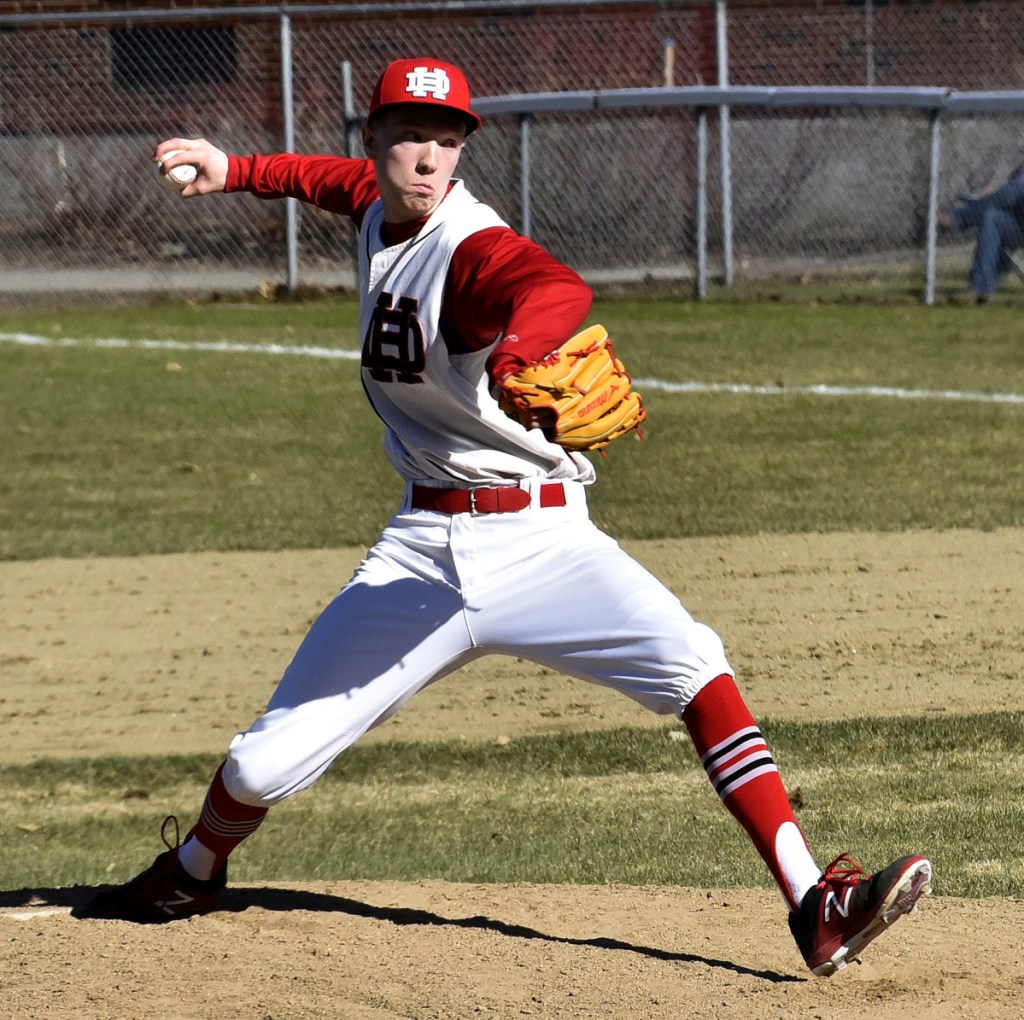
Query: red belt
x=501, y=499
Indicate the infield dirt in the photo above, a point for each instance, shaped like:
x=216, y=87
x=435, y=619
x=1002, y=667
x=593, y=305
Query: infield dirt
x=173, y=654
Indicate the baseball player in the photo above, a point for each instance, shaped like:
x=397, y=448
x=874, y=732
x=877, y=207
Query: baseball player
x=464, y=326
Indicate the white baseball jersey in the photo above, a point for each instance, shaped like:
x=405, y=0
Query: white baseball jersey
x=442, y=422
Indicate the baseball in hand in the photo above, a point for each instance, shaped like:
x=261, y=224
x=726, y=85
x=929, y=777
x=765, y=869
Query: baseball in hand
x=178, y=178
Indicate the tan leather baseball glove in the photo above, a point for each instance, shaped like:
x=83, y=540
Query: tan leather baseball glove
x=580, y=394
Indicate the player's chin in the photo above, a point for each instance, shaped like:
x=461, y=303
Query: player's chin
x=419, y=204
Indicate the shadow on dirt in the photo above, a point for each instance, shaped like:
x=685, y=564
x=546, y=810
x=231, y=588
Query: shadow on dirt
x=240, y=898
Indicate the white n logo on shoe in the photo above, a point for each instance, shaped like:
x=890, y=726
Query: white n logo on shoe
x=167, y=906
x=832, y=900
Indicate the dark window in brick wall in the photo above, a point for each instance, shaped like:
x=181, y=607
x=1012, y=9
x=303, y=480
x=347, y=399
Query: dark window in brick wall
x=173, y=58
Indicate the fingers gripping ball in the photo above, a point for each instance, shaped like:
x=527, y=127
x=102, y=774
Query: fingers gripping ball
x=580, y=395
x=178, y=178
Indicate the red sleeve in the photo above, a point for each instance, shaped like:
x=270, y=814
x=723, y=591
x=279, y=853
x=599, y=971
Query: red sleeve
x=500, y=282
x=344, y=186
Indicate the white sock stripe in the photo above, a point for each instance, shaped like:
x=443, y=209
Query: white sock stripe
x=727, y=761
x=737, y=740
x=763, y=770
x=759, y=755
x=220, y=825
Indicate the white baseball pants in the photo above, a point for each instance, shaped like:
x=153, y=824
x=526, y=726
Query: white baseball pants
x=439, y=591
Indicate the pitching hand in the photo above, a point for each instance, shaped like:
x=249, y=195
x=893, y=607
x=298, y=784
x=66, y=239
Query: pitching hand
x=211, y=163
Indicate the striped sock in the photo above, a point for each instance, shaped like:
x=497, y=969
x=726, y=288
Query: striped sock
x=740, y=766
x=223, y=824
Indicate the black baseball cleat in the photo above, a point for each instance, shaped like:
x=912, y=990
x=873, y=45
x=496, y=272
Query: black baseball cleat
x=165, y=891
x=848, y=909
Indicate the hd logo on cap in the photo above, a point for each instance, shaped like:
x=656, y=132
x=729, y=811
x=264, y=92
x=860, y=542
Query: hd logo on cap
x=426, y=80
x=423, y=82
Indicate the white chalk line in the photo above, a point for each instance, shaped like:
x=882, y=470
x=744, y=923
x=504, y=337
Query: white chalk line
x=823, y=390
x=820, y=390
x=220, y=347
x=30, y=915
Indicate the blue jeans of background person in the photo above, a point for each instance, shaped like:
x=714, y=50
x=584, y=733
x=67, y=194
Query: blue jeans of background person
x=999, y=219
x=999, y=233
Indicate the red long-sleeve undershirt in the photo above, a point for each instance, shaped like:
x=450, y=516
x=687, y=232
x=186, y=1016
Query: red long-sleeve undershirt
x=498, y=283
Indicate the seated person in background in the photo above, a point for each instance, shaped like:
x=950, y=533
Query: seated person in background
x=999, y=217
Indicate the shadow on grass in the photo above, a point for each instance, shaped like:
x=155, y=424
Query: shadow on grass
x=239, y=898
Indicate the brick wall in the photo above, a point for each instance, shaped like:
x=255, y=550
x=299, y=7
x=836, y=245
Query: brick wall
x=61, y=77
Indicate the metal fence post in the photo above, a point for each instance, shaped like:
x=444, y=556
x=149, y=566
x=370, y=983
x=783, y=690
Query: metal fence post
x=352, y=135
x=869, y=42
x=524, y=172
x=288, y=120
x=726, y=159
x=935, y=126
x=353, y=138
x=702, y=202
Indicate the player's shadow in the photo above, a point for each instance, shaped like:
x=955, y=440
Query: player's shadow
x=239, y=898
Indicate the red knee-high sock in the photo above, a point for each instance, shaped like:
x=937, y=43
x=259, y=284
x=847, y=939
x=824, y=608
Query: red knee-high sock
x=223, y=823
x=741, y=769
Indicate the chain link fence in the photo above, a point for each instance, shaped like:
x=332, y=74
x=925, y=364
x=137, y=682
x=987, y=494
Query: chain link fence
x=84, y=98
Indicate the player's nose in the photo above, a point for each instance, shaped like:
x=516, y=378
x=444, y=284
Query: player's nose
x=428, y=161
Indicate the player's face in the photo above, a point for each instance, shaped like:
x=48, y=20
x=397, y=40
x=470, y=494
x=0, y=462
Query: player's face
x=415, y=151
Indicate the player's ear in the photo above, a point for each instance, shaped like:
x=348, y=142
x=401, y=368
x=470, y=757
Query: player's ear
x=369, y=142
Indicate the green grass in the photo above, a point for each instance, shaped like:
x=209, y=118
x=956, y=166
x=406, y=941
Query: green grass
x=630, y=805
x=131, y=451
x=114, y=451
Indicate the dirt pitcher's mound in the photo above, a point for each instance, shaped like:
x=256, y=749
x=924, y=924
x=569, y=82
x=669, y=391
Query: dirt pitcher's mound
x=174, y=654
x=436, y=951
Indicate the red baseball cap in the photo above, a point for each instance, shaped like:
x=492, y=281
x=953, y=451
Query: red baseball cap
x=424, y=80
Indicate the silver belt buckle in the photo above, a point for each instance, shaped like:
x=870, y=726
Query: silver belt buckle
x=472, y=502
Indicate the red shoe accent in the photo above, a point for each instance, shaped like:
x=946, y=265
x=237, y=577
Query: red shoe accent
x=847, y=910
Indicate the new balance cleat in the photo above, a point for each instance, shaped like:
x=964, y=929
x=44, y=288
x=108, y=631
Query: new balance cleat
x=848, y=909
x=165, y=891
